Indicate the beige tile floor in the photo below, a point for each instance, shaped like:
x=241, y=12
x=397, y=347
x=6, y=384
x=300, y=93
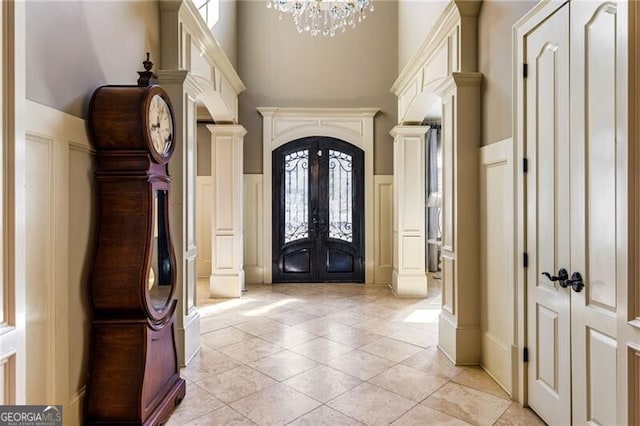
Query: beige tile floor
x=333, y=354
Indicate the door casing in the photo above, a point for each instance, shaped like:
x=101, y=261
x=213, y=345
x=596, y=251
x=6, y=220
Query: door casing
x=318, y=246
x=353, y=125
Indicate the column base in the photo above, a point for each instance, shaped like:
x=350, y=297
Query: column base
x=226, y=285
x=189, y=338
x=460, y=344
x=405, y=285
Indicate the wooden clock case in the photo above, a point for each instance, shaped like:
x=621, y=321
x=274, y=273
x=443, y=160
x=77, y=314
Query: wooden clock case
x=134, y=377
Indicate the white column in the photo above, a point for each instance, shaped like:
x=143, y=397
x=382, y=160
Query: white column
x=227, y=273
x=184, y=91
x=459, y=325
x=409, y=239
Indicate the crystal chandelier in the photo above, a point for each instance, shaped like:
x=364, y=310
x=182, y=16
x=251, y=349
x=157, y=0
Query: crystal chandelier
x=326, y=17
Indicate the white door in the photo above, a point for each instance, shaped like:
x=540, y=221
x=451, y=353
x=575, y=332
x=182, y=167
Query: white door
x=548, y=217
x=576, y=212
x=598, y=207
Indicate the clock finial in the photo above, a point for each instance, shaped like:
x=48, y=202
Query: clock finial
x=147, y=77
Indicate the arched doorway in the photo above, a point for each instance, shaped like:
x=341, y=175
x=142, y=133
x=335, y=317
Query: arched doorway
x=283, y=125
x=318, y=211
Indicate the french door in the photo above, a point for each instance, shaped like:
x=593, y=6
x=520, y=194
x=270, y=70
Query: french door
x=576, y=223
x=318, y=220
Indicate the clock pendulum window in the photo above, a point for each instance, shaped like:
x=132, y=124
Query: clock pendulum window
x=133, y=373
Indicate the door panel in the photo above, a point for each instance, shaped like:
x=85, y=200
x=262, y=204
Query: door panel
x=294, y=239
x=598, y=231
x=318, y=218
x=548, y=216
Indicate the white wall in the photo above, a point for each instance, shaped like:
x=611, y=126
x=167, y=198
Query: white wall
x=498, y=302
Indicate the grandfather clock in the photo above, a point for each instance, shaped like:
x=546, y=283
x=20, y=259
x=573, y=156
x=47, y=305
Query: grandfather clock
x=133, y=373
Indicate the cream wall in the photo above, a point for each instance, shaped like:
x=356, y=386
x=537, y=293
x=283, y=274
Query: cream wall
x=203, y=137
x=285, y=69
x=71, y=48
x=226, y=30
x=415, y=21
x=495, y=21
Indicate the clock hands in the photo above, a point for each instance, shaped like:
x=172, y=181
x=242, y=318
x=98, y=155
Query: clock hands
x=160, y=125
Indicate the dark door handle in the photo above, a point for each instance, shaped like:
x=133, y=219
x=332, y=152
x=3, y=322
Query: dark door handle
x=575, y=282
x=562, y=277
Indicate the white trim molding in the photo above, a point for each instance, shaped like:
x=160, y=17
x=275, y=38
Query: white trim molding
x=188, y=44
x=59, y=216
x=497, y=294
x=13, y=166
x=409, y=239
x=227, y=273
x=443, y=70
x=254, y=264
x=353, y=125
x=450, y=47
x=383, y=233
x=196, y=73
x=184, y=92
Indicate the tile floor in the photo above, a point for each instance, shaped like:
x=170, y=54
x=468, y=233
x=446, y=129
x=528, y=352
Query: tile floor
x=333, y=354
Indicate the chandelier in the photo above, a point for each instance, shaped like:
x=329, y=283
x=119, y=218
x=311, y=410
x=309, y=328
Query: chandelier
x=326, y=17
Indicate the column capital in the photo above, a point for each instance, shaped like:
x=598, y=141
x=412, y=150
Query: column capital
x=170, y=5
x=179, y=77
x=227, y=130
x=408, y=130
x=458, y=79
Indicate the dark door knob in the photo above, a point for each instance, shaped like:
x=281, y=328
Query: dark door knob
x=575, y=282
x=562, y=277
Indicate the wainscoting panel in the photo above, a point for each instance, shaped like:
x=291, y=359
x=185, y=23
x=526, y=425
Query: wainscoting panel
x=203, y=226
x=496, y=248
x=448, y=289
x=254, y=261
x=40, y=320
x=634, y=384
x=253, y=229
x=81, y=216
x=7, y=380
x=60, y=219
x=383, y=228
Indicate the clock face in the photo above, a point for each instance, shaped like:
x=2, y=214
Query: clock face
x=160, y=125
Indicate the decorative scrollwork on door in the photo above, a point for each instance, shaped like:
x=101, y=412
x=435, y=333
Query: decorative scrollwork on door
x=296, y=190
x=340, y=196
